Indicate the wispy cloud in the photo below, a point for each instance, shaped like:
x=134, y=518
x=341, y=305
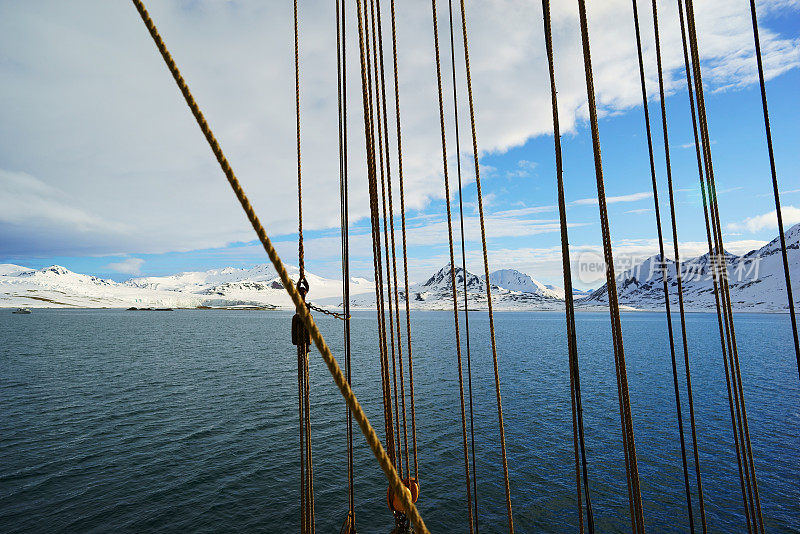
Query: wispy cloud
x=633, y=197
x=769, y=220
x=127, y=266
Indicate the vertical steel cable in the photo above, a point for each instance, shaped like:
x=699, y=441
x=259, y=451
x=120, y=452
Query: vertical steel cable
x=383, y=159
x=341, y=80
x=744, y=431
x=663, y=260
x=699, y=152
x=403, y=230
x=716, y=257
x=301, y=405
x=309, y=460
x=572, y=343
x=768, y=131
x=464, y=264
x=452, y=261
x=629, y=445
x=305, y=427
x=509, y=512
x=364, y=35
x=678, y=275
x=300, y=252
x=393, y=289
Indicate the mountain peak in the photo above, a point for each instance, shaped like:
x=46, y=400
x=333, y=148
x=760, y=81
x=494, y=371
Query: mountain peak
x=515, y=280
x=444, y=279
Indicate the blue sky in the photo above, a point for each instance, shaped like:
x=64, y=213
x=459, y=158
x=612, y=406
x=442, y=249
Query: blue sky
x=517, y=165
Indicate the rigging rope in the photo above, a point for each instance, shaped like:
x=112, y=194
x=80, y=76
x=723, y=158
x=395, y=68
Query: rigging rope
x=662, y=257
x=719, y=270
x=678, y=274
x=393, y=246
x=486, y=267
x=629, y=447
x=306, y=463
x=768, y=131
x=452, y=262
x=341, y=87
x=300, y=252
x=383, y=158
x=311, y=327
x=572, y=343
x=463, y=263
x=403, y=231
x=375, y=218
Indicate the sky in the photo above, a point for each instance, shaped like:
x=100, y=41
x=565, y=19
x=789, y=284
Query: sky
x=104, y=171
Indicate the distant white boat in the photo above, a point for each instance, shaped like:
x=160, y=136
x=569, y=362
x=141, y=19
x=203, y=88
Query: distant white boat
x=22, y=311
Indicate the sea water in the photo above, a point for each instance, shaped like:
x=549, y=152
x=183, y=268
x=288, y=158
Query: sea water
x=187, y=421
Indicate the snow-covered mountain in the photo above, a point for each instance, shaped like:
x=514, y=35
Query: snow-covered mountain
x=514, y=280
x=259, y=286
x=756, y=280
x=436, y=293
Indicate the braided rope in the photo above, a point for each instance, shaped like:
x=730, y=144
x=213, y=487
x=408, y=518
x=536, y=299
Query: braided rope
x=716, y=255
x=629, y=446
x=403, y=232
x=768, y=131
x=463, y=261
x=572, y=342
x=679, y=278
x=452, y=264
x=316, y=336
x=728, y=307
x=662, y=256
x=486, y=268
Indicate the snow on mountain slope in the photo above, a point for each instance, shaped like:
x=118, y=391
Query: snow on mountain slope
x=10, y=268
x=756, y=280
x=436, y=293
x=60, y=287
x=514, y=280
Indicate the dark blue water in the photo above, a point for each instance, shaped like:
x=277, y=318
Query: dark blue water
x=187, y=421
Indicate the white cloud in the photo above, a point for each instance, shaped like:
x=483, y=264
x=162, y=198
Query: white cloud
x=99, y=122
x=633, y=197
x=127, y=266
x=791, y=215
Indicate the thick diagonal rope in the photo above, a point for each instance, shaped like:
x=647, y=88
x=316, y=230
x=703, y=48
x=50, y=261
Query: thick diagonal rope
x=626, y=421
x=452, y=261
x=768, y=131
x=475, y=159
x=572, y=343
x=679, y=277
x=722, y=295
x=341, y=86
x=316, y=336
x=463, y=264
x=663, y=262
x=403, y=231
